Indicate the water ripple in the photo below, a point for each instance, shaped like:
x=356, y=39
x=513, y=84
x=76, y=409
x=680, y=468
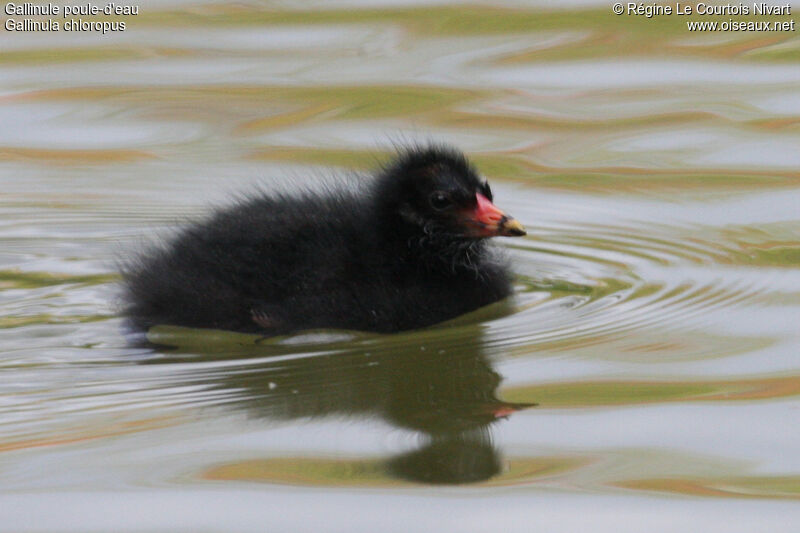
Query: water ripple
x=588, y=283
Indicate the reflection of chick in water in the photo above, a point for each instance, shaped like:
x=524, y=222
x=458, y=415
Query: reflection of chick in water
x=439, y=387
x=450, y=398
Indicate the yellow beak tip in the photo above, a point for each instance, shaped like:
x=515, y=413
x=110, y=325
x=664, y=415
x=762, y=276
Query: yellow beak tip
x=513, y=228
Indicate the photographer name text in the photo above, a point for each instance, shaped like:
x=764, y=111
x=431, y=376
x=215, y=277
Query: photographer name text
x=650, y=10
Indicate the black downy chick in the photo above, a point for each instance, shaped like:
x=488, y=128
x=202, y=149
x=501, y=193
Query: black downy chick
x=406, y=251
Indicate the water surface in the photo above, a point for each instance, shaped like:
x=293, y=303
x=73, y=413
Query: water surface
x=643, y=377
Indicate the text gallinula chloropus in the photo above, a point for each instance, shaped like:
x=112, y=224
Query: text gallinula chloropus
x=406, y=250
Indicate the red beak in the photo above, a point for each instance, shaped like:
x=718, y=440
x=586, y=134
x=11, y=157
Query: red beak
x=489, y=221
x=504, y=410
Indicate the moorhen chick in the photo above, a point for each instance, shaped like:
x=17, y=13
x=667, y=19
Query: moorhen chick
x=404, y=251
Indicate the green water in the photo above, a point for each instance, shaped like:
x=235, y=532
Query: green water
x=644, y=377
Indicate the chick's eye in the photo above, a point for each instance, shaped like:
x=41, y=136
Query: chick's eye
x=440, y=200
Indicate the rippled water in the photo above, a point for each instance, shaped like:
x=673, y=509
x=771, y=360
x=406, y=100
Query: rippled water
x=644, y=376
